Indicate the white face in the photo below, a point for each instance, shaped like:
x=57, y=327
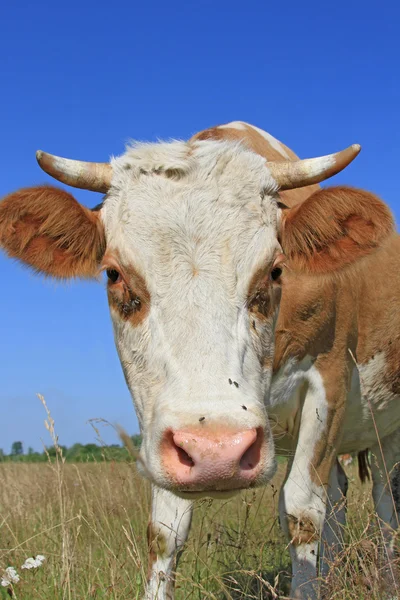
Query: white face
x=193, y=262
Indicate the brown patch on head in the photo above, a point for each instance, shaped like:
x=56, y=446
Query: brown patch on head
x=301, y=530
x=128, y=296
x=263, y=299
x=251, y=138
x=261, y=303
x=263, y=294
x=334, y=228
x=47, y=229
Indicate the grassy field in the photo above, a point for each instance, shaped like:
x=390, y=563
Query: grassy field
x=89, y=521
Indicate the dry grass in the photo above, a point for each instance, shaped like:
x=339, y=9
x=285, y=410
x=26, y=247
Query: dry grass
x=95, y=544
x=89, y=520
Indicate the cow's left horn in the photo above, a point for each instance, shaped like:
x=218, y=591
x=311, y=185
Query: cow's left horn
x=85, y=175
x=299, y=173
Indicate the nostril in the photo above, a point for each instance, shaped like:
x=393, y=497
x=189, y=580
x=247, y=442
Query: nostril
x=177, y=462
x=176, y=445
x=184, y=457
x=251, y=456
x=214, y=458
x=173, y=452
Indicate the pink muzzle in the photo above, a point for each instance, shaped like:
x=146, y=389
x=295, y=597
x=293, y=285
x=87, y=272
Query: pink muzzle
x=216, y=460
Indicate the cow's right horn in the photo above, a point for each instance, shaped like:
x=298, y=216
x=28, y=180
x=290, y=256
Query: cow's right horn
x=85, y=175
x=299, y=173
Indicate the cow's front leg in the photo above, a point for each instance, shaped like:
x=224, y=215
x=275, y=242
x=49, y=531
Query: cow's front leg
x=303, y=496
x=167, y=532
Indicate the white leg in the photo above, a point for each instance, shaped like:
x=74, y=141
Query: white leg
x=301, y=519
x=335, y=521
x=303, y=496
x=167, y=532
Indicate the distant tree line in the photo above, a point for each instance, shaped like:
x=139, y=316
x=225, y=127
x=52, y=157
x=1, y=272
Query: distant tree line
x=76, y=453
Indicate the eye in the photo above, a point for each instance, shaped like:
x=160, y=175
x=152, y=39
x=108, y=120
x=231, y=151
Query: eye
x=113, y=276
x=276, y=273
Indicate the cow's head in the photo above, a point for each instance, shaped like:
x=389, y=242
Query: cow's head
x=193, y=240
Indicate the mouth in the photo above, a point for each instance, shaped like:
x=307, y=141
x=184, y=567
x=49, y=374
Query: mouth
x=214, y=494
x=189, y=494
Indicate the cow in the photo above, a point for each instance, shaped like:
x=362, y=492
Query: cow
x=254, y=314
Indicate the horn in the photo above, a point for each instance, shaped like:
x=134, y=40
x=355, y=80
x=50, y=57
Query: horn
x=299, y=173
x=85, y=175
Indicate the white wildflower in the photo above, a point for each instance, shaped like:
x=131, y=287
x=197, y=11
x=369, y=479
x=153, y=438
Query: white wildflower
x=10, y=576
x=33, y=563
x=30, y=563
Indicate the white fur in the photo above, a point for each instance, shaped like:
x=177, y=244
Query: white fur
x=371, y=405
x=197, y=221
x=170, y=518
x=302, y=498
x=234, y=125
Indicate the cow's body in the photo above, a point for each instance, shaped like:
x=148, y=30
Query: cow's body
x=372, y=352
x=192, y=236
x=311, y=311
x=340, y=333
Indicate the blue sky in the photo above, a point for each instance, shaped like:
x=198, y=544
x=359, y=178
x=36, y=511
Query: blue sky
x=81, y=78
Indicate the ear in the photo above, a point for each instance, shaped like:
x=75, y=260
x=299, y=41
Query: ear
x=333, y=228
x=47, y=229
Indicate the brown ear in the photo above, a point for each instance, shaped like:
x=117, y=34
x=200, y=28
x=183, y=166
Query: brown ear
x=46, y=228
x=334, y=227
